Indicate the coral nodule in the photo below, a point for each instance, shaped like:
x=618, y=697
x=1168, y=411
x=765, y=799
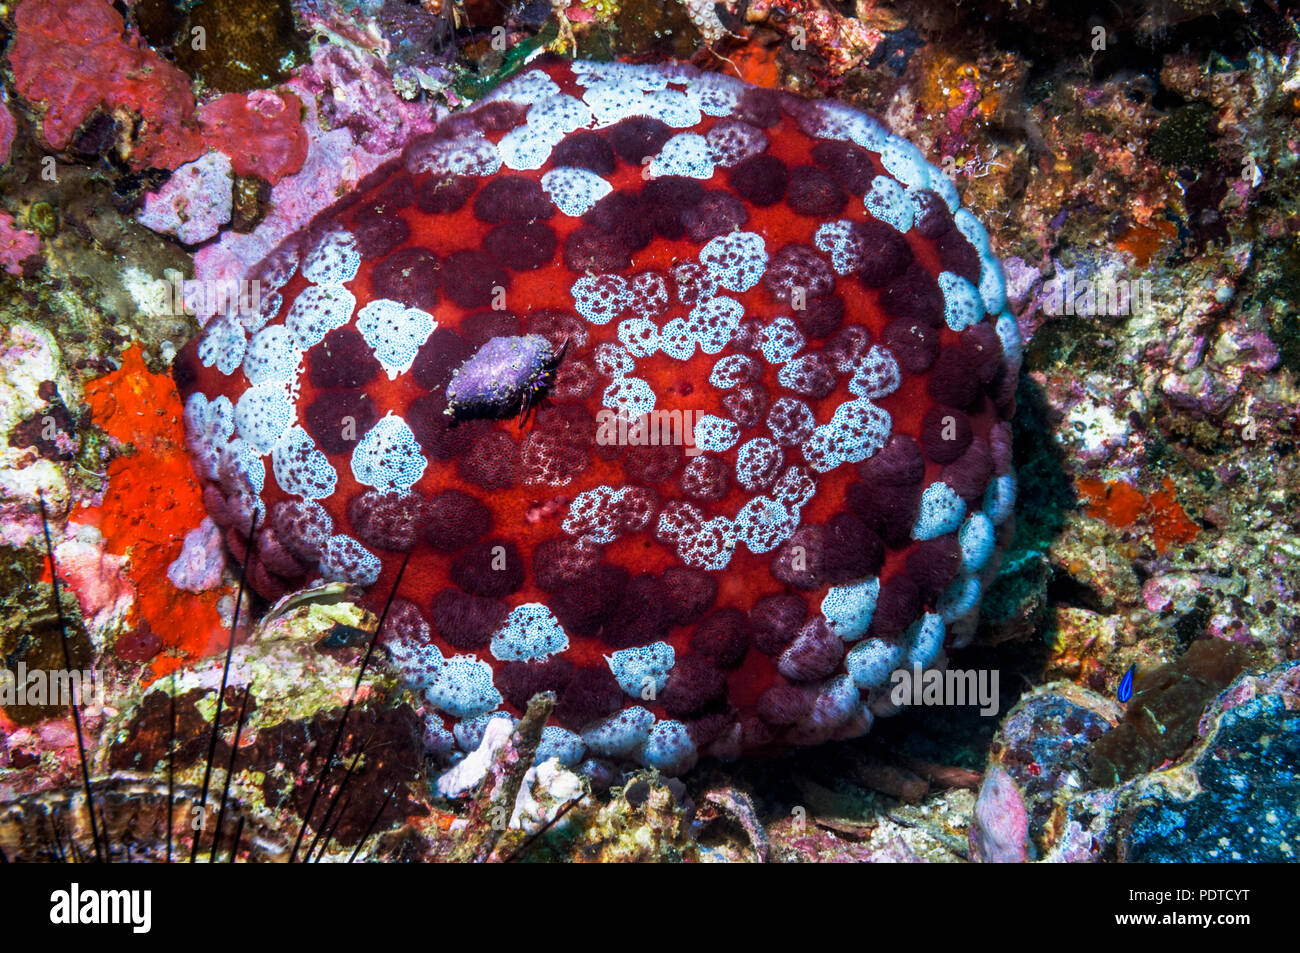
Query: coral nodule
x=770, y=371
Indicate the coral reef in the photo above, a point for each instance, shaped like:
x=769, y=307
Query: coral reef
x=16, y=245
x=1136, y=168
x=72, y=58
x=286, y=692
x=79, y=66
x=1241, y=804
x=235, y=45
x=194, y=203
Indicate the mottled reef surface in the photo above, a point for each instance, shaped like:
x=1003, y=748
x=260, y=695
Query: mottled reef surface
x=1137, y=173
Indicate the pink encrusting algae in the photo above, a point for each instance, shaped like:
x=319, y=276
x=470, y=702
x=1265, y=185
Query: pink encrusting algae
x=450, y=366
x=72, y=58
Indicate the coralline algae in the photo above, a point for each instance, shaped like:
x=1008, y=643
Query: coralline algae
x=787, y=276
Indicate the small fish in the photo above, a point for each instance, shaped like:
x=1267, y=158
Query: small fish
x=1125, y=691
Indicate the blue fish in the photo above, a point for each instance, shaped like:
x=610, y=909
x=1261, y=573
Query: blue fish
x=1126, y=685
